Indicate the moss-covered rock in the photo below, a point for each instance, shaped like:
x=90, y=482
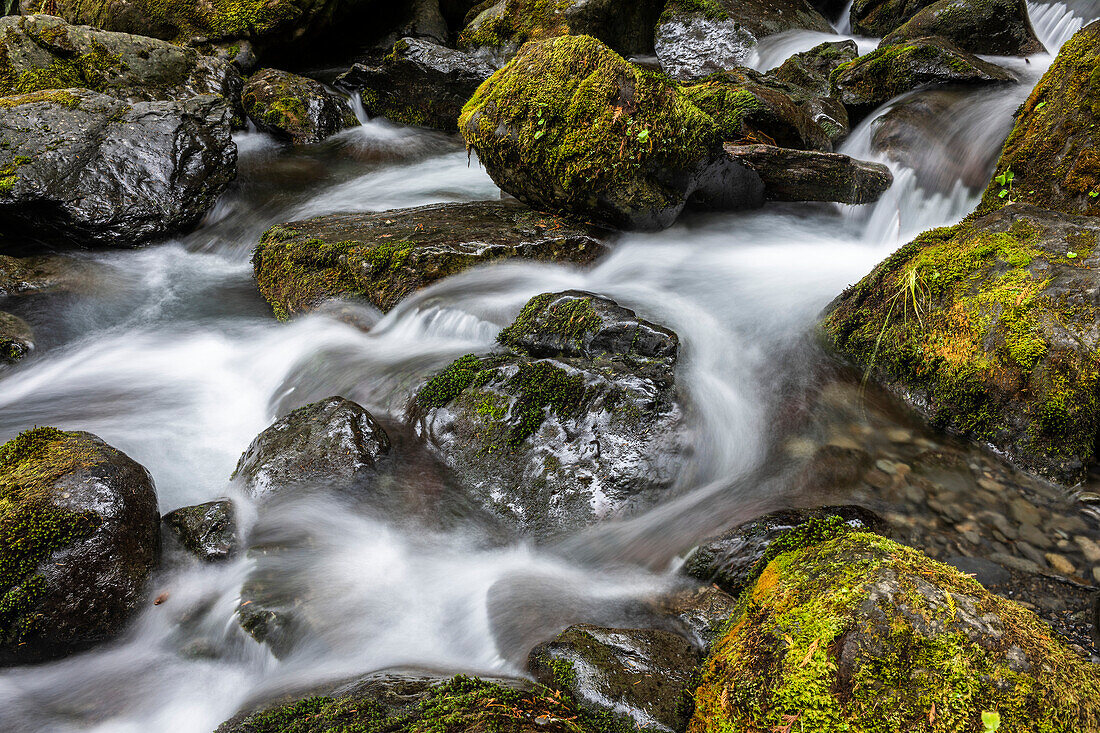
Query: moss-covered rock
x=890, y=71
x=418, y=83
x=79, y=534
x=384, y=257
x=646, y=675
x=498, y=29
x=876, y=18
x=804, y=175
x=16, y=338
x=993, y=27
x=1052, y=157
x=860, y=634
x=43, y=274
x=556, y=443
x=568, y=125
x=295, y=108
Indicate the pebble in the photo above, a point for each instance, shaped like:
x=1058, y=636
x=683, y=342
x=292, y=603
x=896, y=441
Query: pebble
x=1089, y=548
x=899, y=435
x=990, y=485
x=843, y=441
x=1060, y=563
x=1034, y=535
x=1013, y=561
x=1096, y=574
x=1025, y=512
x=1031, y=553
x=888, y=467
x=800, y=448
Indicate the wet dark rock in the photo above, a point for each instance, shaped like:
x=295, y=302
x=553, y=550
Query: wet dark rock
x=383, y=257
x=991, y=27
x=334, y=443
x=16, y=338
x=646, y=674
x=694, y=40
x=208, y=531
x=701, y=613
x=890, y=71
x=806, y=75
x=557, y=443
x=986, y=572
x=80, y=167
x=729, y=560
x=877, y=18
x=39, y=52
x=497, y=30
x=79, y=535
x=418, y=83
x=638, y=171
x=295, y=108
x=421, y=19
x=22, y=276
x=803, y=175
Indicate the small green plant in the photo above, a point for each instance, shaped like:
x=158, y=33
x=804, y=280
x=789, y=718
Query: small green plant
x=1040, y=106
x=991, y=721
x=912, y=292
x=1005, y=180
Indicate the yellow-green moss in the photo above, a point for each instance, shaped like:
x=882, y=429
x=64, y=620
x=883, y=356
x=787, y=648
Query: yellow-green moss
x=521, y=21
x=778, y=663
x=729, y=105
x=87, y=70
x=570, y=320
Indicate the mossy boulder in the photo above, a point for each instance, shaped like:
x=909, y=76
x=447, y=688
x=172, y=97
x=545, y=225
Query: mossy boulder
x=41, y=52
x=384, y=257
x=332, y=443
x=876, y=18
x=208, y=531
x=556, y=442
x=991, y=27
x=1053, y=152
x=418, y=83
x=79, y=535
x=294, y=108
x=695, y=38
x=874, y=79
x=498, y=29
x=861, y=634
x=413, y=701
x=804, y=175
x=16, y=338
x=569, y=126
x=646, y=675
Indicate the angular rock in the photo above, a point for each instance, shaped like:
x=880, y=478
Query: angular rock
x=295, y=108
x=861, y=633
x=419, y=83
x=876, y=18
x=334, y=442
x=16, y=338
x=569, y=126
x=553, y=444
x=208, y=531
x=646, y=674
x=803, y=175
x=39, y=52
x=386, y=256
x=1053, y=152
x=80, y=167
x=702, y=613
x=806, y=75
x=499, y=29
x=695, y=39
x=79, y=535
x=732, y=559
x=990, y=27
x=888, y=72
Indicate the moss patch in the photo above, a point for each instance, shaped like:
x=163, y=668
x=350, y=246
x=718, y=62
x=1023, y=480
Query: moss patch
x=521, y=21
x=570, y=320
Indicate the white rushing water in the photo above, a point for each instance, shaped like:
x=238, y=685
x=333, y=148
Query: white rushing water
x=171, y=356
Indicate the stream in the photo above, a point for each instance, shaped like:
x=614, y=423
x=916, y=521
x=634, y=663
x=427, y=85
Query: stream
x=169, y=354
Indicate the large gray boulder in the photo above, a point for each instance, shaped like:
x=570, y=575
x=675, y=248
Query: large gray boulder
x=992, y=27
x=79, y=535
x=79, y=167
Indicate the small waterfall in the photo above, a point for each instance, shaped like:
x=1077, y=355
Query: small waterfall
x=1055, y=23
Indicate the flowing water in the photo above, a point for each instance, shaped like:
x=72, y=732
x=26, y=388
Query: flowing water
x=169, y=354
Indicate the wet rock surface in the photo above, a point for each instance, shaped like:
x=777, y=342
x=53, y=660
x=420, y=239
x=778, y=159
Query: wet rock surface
x=556, y=443
x=208, y=531
x=27, y=276
x=384, y=257
x=995, y=28
x=16, y=338
x=876, y=18
x=644, y=674
x=418, y=83
x=83, y=168
x=295, y=108
x=79, y=536
x=802, y=175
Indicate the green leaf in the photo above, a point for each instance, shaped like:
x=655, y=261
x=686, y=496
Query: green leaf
x=539, y=134
x=1040, y=106
x=1011, y=176
x=643, y=136
x=991, y=721
x=1094, y=194
x=1002, y=194
x=1071, y=255
x=1002, y=179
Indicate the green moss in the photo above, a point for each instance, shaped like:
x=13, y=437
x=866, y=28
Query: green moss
x=521, y=21
x=568, y=320
x=542, y=386
x=780, y=659
x=31, y=526
x=728, y=105
x=449, y=383
x=89, y=70
x=709, y=9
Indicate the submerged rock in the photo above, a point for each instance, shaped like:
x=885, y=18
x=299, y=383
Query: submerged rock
x=383, y=257
x=701, y=613
x=80, y=167
x=864, y=634
x=334, y=443
x=644, y=674
x=580, y=434
x=295, y=108
x=695, y=39
x=43, y=274
x=802, y=175
x=890, y=71
x=418, y=83
x=79, y=535
x=992, y=27
x=16, y=338
x=570, y=126
x=208, y=531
